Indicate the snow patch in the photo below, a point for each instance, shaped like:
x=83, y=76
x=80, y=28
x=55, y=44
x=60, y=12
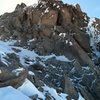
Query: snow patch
x=54, y=4
x=31, y=73
x=62, y=58
x=32, y=40
x=18, y=71
x=80, y=97
x=70, y=43
x=54, y=94
x=47, y=10
x=67, y=41
x=58, y=6
x=26, y=56
x=9, y=93
x=0, y=71
x=29, y=89
x=62, y=34
x=59, y=58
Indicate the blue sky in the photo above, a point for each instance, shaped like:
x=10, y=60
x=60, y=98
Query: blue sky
x=91, y=7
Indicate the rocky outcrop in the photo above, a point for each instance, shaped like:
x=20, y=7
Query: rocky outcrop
x=57, y=33
x=13, y=78
x=69, y=89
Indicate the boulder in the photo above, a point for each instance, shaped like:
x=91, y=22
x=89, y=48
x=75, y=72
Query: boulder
x=13, y=59
x=48, y=45
x=81, y=55
x=83, y=40
x=12, y=78
x=47, y=31
x=70, y=89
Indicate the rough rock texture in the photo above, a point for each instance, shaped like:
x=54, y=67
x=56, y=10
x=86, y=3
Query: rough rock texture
x=13, y=78
x=53, y=27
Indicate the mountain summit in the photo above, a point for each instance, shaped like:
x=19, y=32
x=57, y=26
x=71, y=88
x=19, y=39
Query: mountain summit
x=50, y=51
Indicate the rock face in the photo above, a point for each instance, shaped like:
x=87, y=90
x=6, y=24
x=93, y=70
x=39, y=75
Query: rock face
x=61, y=35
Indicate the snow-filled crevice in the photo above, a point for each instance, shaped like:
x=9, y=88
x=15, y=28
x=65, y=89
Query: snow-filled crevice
x=94, y=35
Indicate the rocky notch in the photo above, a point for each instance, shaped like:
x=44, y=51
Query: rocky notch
x=64, y=40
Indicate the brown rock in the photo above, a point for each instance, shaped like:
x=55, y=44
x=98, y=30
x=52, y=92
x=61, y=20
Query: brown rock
x=48, y=45
x=49, y=18
x=69, y=88
x=83, y=40
x=65, y=16
x=47, y=31
x=33, y=16
x=8, y=77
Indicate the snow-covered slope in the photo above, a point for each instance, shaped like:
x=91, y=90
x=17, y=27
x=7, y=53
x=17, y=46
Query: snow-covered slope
x=27, y=89
x=23, y=54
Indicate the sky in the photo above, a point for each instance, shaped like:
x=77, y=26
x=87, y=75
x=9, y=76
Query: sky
x=91, y=7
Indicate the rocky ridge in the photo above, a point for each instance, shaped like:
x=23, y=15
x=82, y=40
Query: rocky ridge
x=57, y=43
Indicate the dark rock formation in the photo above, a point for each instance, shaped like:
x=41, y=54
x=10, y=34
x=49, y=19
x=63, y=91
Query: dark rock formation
x=53, y=27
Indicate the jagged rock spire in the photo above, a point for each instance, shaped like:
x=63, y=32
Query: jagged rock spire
x=20, y=6
x=48, y=1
